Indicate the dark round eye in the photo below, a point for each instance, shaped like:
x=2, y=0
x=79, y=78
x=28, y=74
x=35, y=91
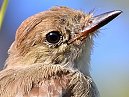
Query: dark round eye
x=53, y=37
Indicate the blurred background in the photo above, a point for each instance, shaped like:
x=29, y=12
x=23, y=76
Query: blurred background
x=110, y=56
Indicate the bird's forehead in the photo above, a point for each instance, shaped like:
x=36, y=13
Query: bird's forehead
x=62, y=17
x=66, y=13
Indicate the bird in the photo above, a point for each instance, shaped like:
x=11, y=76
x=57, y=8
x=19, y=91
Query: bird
x=50, y=56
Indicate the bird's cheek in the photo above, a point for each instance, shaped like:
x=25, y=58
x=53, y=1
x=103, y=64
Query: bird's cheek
x=62, y=48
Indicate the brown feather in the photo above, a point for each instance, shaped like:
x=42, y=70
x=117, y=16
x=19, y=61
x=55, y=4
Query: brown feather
x=44, y=81
x=35, y=68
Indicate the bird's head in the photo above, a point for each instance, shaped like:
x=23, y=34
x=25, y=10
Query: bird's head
x=58, y=36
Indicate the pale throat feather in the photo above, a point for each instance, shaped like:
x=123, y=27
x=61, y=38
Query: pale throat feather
x=82, y=63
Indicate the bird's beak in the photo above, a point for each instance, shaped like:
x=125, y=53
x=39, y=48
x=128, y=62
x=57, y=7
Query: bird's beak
x=95, y=23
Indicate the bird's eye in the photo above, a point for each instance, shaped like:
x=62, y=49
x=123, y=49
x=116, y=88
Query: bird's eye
x=53, y=37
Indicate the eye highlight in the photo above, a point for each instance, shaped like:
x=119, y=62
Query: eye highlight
x=53, y=37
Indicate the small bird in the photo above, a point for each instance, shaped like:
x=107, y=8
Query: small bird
x=50, y=55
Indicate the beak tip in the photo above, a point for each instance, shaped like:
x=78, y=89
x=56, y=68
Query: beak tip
x=112, y=14
x=117, y=12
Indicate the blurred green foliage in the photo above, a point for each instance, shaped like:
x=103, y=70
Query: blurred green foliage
x=2, y=11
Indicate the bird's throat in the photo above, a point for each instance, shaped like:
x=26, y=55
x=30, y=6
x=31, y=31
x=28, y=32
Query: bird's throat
x=83, y=61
